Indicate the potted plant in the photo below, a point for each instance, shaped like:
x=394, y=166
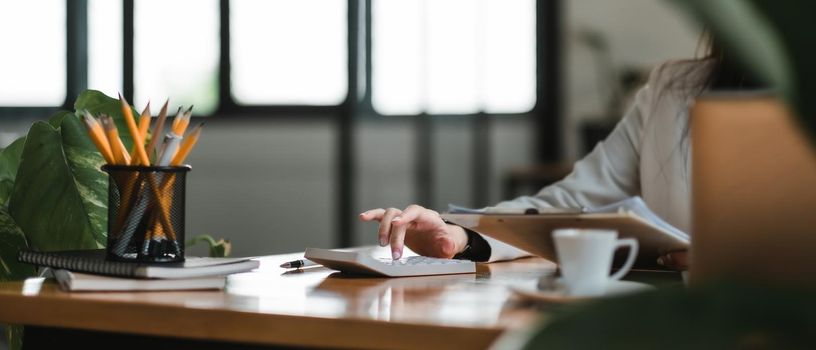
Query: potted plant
x=53, y=194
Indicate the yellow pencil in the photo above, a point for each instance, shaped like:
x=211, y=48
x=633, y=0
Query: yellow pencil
x=181, y=123
x=187, y=146
x=144, y=120
x=144, y=125
x=117, y=147
x=158, y=130
x=98, y=137
x=140, y=155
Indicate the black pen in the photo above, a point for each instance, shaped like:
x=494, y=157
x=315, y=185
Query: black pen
x=297, y=264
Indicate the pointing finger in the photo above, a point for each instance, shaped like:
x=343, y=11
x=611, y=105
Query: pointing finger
x=373, y=214
x=385, y=225
x=397, y=241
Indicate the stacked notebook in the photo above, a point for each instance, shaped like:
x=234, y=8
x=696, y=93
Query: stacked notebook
x=89, y=270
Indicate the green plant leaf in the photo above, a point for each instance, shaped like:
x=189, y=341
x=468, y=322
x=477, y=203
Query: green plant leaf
x=745, y=32
x=12, y=241
x=794, y=25
x=774, y=39
x=57, y=118
x=9, y=162
x=217, y=249
x=85, y=163
x=59, y=197
x=98, y=103
x=724, y=315
x=14, y=336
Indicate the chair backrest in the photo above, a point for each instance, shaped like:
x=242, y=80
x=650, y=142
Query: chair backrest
x=753, y=192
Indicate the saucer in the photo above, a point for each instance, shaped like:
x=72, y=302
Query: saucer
x=557, y=292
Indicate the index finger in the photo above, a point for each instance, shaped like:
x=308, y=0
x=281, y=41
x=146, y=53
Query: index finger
x=373, y=214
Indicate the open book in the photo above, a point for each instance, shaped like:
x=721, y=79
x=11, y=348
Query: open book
x=531, y=229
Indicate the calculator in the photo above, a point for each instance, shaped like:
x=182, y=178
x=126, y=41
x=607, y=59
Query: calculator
x=361, y=262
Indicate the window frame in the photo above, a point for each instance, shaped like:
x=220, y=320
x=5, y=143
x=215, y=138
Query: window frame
x=356, y=107
x=541, y=5
x=76, y=65
x=229, y=108
x=359, y=57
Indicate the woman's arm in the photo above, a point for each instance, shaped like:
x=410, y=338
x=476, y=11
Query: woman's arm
x=608, y=174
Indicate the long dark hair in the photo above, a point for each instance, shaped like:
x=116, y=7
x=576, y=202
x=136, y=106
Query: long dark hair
x=715, y=69
x=726, y=73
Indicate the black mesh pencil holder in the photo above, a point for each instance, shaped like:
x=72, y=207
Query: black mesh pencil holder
x=146, y=213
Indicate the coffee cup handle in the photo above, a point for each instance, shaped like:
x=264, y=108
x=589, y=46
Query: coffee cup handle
x=630, y=260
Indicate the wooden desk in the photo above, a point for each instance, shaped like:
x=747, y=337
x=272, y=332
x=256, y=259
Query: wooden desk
x=313, y=308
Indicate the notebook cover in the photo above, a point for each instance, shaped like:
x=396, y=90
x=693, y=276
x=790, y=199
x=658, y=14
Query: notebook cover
x=95, y=261
x=76, y=281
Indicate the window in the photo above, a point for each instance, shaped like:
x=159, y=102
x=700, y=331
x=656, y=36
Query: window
x=288, y=52
x=105, y=46
x=33, y=63
x=453, y=56
x=176, y=47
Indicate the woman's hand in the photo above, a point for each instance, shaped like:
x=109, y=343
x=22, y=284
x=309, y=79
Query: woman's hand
x=675, y=260
x=421, y=229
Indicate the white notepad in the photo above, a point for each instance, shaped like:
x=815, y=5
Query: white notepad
x=76, y=282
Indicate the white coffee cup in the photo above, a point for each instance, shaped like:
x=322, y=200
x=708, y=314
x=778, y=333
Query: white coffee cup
x=585, y=258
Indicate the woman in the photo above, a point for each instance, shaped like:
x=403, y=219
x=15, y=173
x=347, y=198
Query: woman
x=647, y=155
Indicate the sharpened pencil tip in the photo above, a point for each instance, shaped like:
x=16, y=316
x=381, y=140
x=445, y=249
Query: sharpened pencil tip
x=189, y=109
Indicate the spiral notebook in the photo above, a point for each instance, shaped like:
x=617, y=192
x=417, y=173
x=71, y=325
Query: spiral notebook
x=95, y=261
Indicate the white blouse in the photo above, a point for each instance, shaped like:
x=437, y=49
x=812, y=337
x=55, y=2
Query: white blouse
x=647, y=155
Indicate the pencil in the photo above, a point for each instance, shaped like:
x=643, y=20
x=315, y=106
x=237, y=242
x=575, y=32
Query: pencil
x=187, y=146
x=140, y=155
x=144, y=125
x=144, y=120
x=117, y=147
x=98, y=137
x=177, y=119
x=158, y=130
x=180, y=125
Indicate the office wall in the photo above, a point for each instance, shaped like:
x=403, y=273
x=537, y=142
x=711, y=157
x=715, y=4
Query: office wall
x=12, y=128
x=267, y=185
